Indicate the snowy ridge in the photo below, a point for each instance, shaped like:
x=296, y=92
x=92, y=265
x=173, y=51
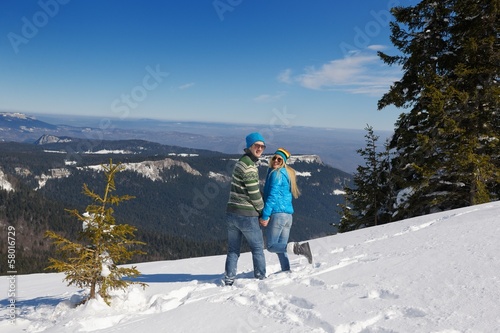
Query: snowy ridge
x=436, y=273
x=148, y=169
x=153, y=169
x=15, y=115
x=53, y=174
x=47, y=138
x=219, y=177
x=106, y=151
x=307, y=158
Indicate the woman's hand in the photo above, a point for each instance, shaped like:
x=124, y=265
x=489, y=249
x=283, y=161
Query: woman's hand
x=263, y=222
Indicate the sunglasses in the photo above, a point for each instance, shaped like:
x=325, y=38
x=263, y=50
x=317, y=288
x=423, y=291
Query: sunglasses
x=277, y=158
x=258, y=146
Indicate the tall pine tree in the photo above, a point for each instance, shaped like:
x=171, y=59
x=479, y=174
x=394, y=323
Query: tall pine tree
x=446, y=145
x=475, y=36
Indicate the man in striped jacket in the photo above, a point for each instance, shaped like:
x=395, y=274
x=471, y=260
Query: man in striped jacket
x=244, y=209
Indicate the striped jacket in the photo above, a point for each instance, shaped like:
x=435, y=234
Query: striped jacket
x=245, y=197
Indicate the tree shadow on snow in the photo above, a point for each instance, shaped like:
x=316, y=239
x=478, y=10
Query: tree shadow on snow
x=179, y=277
x=35, y=302
x=165, y=278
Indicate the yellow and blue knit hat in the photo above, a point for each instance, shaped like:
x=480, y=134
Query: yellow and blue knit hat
x=283, y=153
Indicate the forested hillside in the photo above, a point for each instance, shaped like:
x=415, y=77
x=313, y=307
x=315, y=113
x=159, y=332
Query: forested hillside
x=180, y=195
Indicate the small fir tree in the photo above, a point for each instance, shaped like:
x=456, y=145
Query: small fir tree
x=365, y=203
x=93, y=261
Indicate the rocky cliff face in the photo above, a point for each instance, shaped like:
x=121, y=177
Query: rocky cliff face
x=47, y=138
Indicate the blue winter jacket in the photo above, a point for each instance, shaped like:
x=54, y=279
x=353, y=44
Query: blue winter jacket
x=277, y=193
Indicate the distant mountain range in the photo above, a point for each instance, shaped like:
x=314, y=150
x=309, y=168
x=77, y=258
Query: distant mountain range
x=337, y=147
x=18, y=127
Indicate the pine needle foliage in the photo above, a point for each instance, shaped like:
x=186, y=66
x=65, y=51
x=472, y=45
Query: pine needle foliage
x=92, y=262
x=364, y=203
x=445, y=146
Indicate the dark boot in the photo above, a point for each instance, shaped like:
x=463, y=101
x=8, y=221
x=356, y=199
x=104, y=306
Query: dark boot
x=303, y=250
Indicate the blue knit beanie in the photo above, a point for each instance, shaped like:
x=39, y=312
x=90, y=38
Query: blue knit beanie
x=253, y=138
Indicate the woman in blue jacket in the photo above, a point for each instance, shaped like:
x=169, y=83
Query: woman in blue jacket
x=279, y=189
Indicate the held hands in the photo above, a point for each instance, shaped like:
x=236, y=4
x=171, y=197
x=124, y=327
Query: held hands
x=263, y=222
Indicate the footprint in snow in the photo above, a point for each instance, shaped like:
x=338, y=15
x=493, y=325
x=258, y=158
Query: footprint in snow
x=381, y=294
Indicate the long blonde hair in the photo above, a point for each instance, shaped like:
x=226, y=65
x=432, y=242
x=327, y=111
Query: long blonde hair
x=292, y=174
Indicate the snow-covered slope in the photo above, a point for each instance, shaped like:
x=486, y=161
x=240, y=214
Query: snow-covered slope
x=437, y=273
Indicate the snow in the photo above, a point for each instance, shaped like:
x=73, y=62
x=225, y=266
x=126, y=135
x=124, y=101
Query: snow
x=4, y=183
x=16, y=115
x=47, y=138
x=151, y=169
x=54, y=174
x=54, y=151
x=107, y=151
x=183, y=154
x=437, y=273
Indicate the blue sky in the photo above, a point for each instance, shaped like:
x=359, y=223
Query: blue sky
x=292, y=63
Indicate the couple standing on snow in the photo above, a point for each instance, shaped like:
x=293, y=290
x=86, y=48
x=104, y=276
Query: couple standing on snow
x=248, y=209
